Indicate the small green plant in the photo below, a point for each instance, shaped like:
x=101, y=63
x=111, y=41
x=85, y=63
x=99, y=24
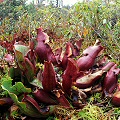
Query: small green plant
x=96, y=98
x=93, y=112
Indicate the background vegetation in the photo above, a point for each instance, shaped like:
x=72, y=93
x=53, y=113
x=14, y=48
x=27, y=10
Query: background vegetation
x=90, y=20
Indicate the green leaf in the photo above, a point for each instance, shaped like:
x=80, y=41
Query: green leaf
x=29, y=70
x=22, y=48
x=25, y=65
x=36, y=83
x=19, y=56
x=25, y=107
x=16, y=89
x=20, y=52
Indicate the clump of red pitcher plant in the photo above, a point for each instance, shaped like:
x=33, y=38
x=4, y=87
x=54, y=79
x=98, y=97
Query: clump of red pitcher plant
x=43, y=79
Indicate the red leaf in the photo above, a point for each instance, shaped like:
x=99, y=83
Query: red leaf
x=41, y=36
x=108, y=66
x=89, y=79
x=93, y=51
x=6, y=101
x=79, y=43
x=69, y=75
x=76, y=48
x=43, y=50
x=41, y=112
x=49, y=77
x=29, y=69
x=67, y=54
x=116, y=99
x=32, y=101
x=62, y=99
x=44, y=97
x=110, y=80
x=58, y=55
x=87, y=61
